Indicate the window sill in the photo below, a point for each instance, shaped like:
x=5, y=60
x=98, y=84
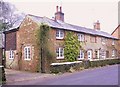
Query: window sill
x=11, y=58
x=60, y=57
x=60, y=38
x=80, y=58
x=103, y=43
x=81, y=41
x=27, y=59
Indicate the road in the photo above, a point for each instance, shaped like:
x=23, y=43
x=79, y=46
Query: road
x=107, y=75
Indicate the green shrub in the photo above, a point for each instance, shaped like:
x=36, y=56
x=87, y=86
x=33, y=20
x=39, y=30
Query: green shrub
x=2, y=76
x=72, y=46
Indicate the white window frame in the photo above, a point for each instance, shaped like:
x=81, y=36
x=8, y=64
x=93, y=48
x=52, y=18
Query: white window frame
x=103, y=40
x=113, y=42
x=27, y=53
x=81, y=55
x=81, y=37
x=97, y=53
x=103, y=54
x=113, y=53
x=11, y=54
x=59, y=53
x=59, y=34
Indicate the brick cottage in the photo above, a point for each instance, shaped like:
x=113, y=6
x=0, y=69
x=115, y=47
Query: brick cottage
x=22, y=50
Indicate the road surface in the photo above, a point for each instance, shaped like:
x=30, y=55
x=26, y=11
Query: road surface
x=107, y=75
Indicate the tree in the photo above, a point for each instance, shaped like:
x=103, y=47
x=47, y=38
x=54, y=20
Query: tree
x=72, y=47
x=9, y=15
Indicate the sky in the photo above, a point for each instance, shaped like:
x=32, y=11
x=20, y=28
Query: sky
x=78, y=12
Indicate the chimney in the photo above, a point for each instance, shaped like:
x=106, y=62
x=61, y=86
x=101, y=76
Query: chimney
x=97, y=25
x=59, y=15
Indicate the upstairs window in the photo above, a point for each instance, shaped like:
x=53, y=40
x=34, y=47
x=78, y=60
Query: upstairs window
x=27, y=53
x=93, y=39
x=113, y=42
x=59, y=34
x=60, y=53
x=103, y=40
x=80, y=37
x=11, y=55
x=113, y=53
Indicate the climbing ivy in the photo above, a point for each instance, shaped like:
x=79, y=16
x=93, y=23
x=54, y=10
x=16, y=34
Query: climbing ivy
x=43, y=44
x=72, y=46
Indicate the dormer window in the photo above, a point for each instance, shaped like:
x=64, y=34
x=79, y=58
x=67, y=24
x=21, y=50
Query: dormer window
x=59, y=34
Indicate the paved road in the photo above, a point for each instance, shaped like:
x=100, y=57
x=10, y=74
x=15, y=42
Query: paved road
x=100, y=76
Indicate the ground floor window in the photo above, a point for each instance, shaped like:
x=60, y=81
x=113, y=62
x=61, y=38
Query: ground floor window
x=27, y=53
x=97, y=54
x=81, y=55
x=103, y=54
x=60, y=53
x=113, y=53
x=11, y=54
x=89, y=54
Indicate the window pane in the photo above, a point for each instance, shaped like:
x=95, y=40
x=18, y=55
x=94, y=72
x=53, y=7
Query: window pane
x=61, y=33
x=57, y=33
x=61, y=52
x=57, y=52
x=28, y=53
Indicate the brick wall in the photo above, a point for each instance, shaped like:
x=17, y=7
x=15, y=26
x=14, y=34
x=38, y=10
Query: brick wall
x=26, y=37
x=10, y=40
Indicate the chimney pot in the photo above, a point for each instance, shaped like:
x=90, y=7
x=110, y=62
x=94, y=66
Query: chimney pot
x=56, y=8
x=60, y=9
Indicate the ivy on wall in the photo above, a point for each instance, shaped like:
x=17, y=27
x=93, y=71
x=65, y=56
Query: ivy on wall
x=72, y=47
x=43, y=40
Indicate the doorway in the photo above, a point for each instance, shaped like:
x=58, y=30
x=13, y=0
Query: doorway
x=89, y=54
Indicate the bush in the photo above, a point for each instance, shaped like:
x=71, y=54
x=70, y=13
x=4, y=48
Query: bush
x=2, y=75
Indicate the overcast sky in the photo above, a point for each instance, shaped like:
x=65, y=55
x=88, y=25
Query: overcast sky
x=79, y=12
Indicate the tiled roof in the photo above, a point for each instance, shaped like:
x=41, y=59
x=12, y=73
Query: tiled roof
x=66, y=26
x=18, y=23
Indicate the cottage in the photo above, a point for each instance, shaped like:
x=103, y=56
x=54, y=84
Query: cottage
x=116, y=33
x=22, y=51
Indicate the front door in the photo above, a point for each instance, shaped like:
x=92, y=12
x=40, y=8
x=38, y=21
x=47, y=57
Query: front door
x=89, y=53
x=107, y=54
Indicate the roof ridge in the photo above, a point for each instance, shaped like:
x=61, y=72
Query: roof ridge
x=34, y=15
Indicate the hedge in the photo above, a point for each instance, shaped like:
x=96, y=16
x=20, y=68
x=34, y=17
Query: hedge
x=85, y=64
x=2, y=75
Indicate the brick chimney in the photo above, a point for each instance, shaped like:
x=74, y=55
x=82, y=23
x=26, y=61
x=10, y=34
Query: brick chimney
x=97, y=25
x=59, y=15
